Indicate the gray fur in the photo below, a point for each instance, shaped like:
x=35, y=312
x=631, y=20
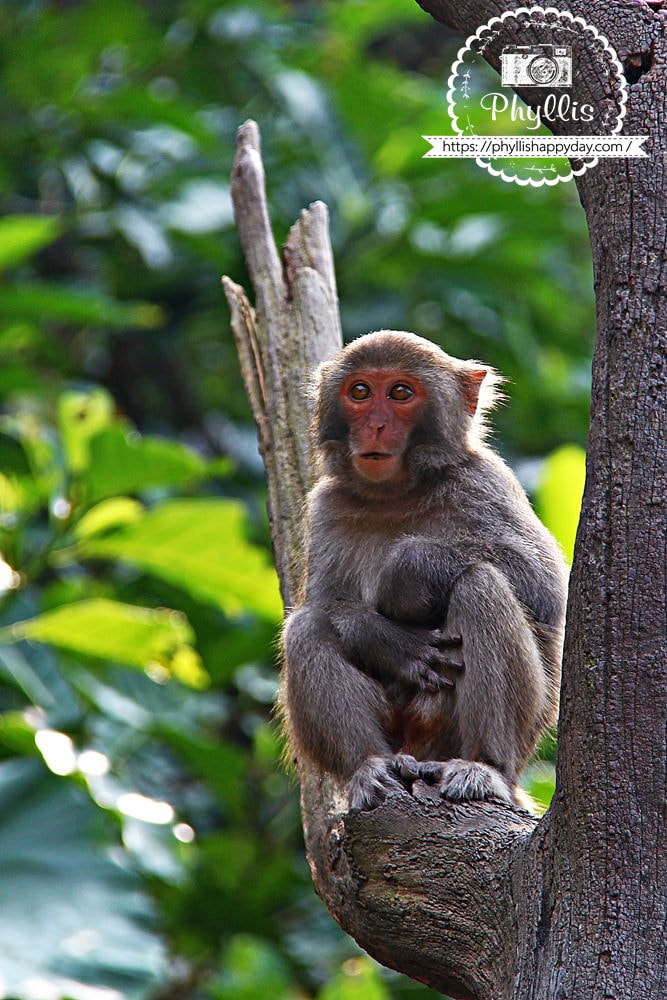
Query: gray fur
x=394, y=571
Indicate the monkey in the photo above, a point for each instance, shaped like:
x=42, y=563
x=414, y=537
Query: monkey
x=426, y=641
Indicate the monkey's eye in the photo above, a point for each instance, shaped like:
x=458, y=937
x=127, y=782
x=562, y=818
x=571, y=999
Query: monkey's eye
x=401, y=392
x=359, y=391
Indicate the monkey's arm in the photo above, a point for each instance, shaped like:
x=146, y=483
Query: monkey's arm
x=418, y=578
x=382, y=646
x=517, y=543
x=485, y=519
x=391, y=651
x=336, y=716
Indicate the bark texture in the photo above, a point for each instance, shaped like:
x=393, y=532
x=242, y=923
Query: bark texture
x=293, y=327
x=480, y=901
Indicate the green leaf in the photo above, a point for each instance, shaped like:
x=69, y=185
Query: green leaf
x=109, y=630
x=41, y=301
x=558, y=496
x=107, y=515
x=17, y=734
x=12, y=456
x=74, y=917
x=14, y=499
x=122, y=461
x=37, y=449
x=21, y=236
x=33, y=671
x=81, y=415
x=112, y=457
x=199, y=545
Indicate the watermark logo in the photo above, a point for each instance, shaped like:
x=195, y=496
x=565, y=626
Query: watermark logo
x=542, y=123
x=536, y=66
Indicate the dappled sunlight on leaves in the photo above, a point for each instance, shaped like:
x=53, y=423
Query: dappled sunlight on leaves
x=118, y=632
x=197, y=545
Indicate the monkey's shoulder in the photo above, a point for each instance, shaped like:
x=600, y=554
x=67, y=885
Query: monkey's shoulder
x=486, y=479
x=505, y=508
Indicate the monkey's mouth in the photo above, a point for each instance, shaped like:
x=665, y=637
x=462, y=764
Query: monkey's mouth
x=378, y=466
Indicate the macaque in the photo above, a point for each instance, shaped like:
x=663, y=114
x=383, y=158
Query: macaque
x=427, y=640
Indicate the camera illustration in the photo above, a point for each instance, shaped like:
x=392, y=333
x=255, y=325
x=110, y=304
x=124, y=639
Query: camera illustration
x=536, y=66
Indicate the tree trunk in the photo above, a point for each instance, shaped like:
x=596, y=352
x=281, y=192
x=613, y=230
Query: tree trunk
x=481, y=901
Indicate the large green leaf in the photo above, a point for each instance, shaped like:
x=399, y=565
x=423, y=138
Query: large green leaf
x=40, y=301
x=121, y=461
x=138, y=637
x=23, y=235
x=198, y=545
x=114, y=459
x=73, y=917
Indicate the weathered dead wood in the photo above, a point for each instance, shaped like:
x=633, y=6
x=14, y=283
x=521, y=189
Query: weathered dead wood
x=294, y=327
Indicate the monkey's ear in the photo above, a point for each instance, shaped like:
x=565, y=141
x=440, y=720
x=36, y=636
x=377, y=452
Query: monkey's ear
x=471, y=383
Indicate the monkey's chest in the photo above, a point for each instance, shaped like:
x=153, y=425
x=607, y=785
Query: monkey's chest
x=363, y=566
x=369, y=562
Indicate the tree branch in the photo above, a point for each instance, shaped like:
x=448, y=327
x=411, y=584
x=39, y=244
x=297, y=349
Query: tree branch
x=430, y=888
x=606, y=828
x=631, y=20
x=293, y=328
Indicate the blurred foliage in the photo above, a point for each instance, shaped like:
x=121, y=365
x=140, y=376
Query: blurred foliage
x=150, y=841
x=559, y=507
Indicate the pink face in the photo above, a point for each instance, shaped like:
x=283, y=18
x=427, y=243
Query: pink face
x=381, y=407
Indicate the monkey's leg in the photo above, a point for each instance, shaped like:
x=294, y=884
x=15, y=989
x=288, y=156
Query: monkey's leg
x=502, y=695
x=335, y=713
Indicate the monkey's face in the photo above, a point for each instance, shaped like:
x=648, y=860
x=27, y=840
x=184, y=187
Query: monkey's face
x=381, y=408
x=393, y=411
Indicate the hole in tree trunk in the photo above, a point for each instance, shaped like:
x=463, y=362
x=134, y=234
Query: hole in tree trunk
x=636, y=65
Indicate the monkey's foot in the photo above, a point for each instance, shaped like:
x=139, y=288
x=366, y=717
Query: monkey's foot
x=467, y=780
x=379, y=777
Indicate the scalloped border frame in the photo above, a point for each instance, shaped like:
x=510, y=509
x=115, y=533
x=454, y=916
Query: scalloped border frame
x=613, y=58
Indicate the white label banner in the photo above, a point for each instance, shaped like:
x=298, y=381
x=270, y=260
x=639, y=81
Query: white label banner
x=530, y=147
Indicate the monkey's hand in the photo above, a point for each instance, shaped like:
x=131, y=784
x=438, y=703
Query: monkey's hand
x=380, y=777
x=396, y=653
x=434, y=652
